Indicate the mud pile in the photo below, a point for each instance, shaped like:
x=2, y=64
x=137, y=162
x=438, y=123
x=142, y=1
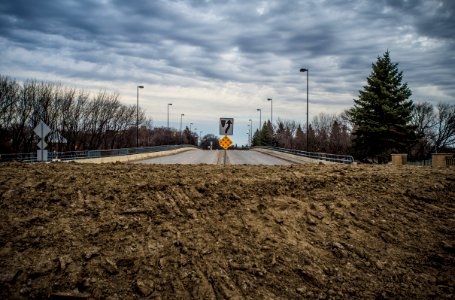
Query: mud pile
x=119, y=231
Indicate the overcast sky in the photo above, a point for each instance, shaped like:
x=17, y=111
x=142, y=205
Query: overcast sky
x=215, y=58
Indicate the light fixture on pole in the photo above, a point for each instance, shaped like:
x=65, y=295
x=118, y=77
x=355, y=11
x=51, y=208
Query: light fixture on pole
x=260, y=116
x=137, y=115
x=306, y=70
x=271, y=111
x=169, y=104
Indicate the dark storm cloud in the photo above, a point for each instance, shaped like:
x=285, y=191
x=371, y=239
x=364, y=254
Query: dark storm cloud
x=261, y=42
x=431, y=18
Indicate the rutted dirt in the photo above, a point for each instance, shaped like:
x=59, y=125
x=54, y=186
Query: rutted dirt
x=119, y=231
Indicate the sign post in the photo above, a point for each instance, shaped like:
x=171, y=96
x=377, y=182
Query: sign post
x=41, y=131
x=226, y=128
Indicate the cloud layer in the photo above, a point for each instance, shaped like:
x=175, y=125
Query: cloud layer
x=225, y=58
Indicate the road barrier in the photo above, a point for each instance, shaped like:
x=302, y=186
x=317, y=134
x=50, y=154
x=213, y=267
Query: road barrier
x=425, y=162
x=437, y=160
x=89, y=154
x=345, y=159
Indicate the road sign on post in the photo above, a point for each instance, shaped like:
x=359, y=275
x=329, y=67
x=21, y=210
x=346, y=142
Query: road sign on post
x=41, y=131
x=225, y=142
x=226, y=126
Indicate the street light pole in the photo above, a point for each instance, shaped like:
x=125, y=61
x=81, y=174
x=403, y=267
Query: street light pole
x=137, y=115
x=271, y=111
x=190, y=126
x=169, y=104
x=251, y=132
x=181, y=133
x=306, y=70
x=260, y=116
x=249, y=135
x=197, y=138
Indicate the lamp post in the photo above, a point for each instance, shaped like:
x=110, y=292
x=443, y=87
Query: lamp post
x=190, y=126
x=251, y=132
x=169, y=104
x=306, y=70
x=197, y=138
x=260, y=116
x=137, y=115
x=271, y=111
x=181, y=133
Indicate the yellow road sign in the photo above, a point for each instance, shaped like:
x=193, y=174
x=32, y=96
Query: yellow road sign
x=225, y=142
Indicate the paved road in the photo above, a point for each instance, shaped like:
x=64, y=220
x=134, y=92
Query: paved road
x=188, y=157
x=241, y=157
x=216, y=157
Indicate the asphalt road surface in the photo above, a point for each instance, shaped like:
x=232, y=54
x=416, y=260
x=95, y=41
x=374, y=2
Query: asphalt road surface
x=241, y=157
x=234, y=157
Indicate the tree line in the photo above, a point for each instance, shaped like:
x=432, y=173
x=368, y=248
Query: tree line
x=432, y=131
x=327, y=133
x=79, y=120
x=383, y=120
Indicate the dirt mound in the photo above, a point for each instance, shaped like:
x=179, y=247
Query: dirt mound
x=119, y=231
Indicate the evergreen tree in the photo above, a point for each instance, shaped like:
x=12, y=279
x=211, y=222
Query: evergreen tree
x=382, y=114
x=335, y=141
x=311, y=139
x=299, y=139
x=266, y=135
x=256, y=138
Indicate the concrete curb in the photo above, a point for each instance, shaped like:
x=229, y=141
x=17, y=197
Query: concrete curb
x=133, y=157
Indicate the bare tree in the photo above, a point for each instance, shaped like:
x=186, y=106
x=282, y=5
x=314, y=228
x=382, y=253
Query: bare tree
x=9, y=90
x=322, y=125
x=9, y=95
x=21, y=127
x=210, y=140
x=444, y=129
x=424, y=121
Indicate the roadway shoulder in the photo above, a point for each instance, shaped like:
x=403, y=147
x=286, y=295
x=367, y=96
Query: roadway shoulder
x=291, y=157
x=133, y=157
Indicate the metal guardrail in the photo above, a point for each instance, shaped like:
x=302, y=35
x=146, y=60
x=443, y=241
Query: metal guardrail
x=426, y=162
x=345, y=159
x=75, y=155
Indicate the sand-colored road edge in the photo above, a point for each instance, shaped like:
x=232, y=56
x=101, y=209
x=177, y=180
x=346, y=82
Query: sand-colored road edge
x=133, y=157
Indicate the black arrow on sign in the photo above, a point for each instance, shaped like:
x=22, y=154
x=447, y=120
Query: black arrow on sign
x=228, y=126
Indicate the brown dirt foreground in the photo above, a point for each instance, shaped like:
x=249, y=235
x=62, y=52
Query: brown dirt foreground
x=119, y=231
